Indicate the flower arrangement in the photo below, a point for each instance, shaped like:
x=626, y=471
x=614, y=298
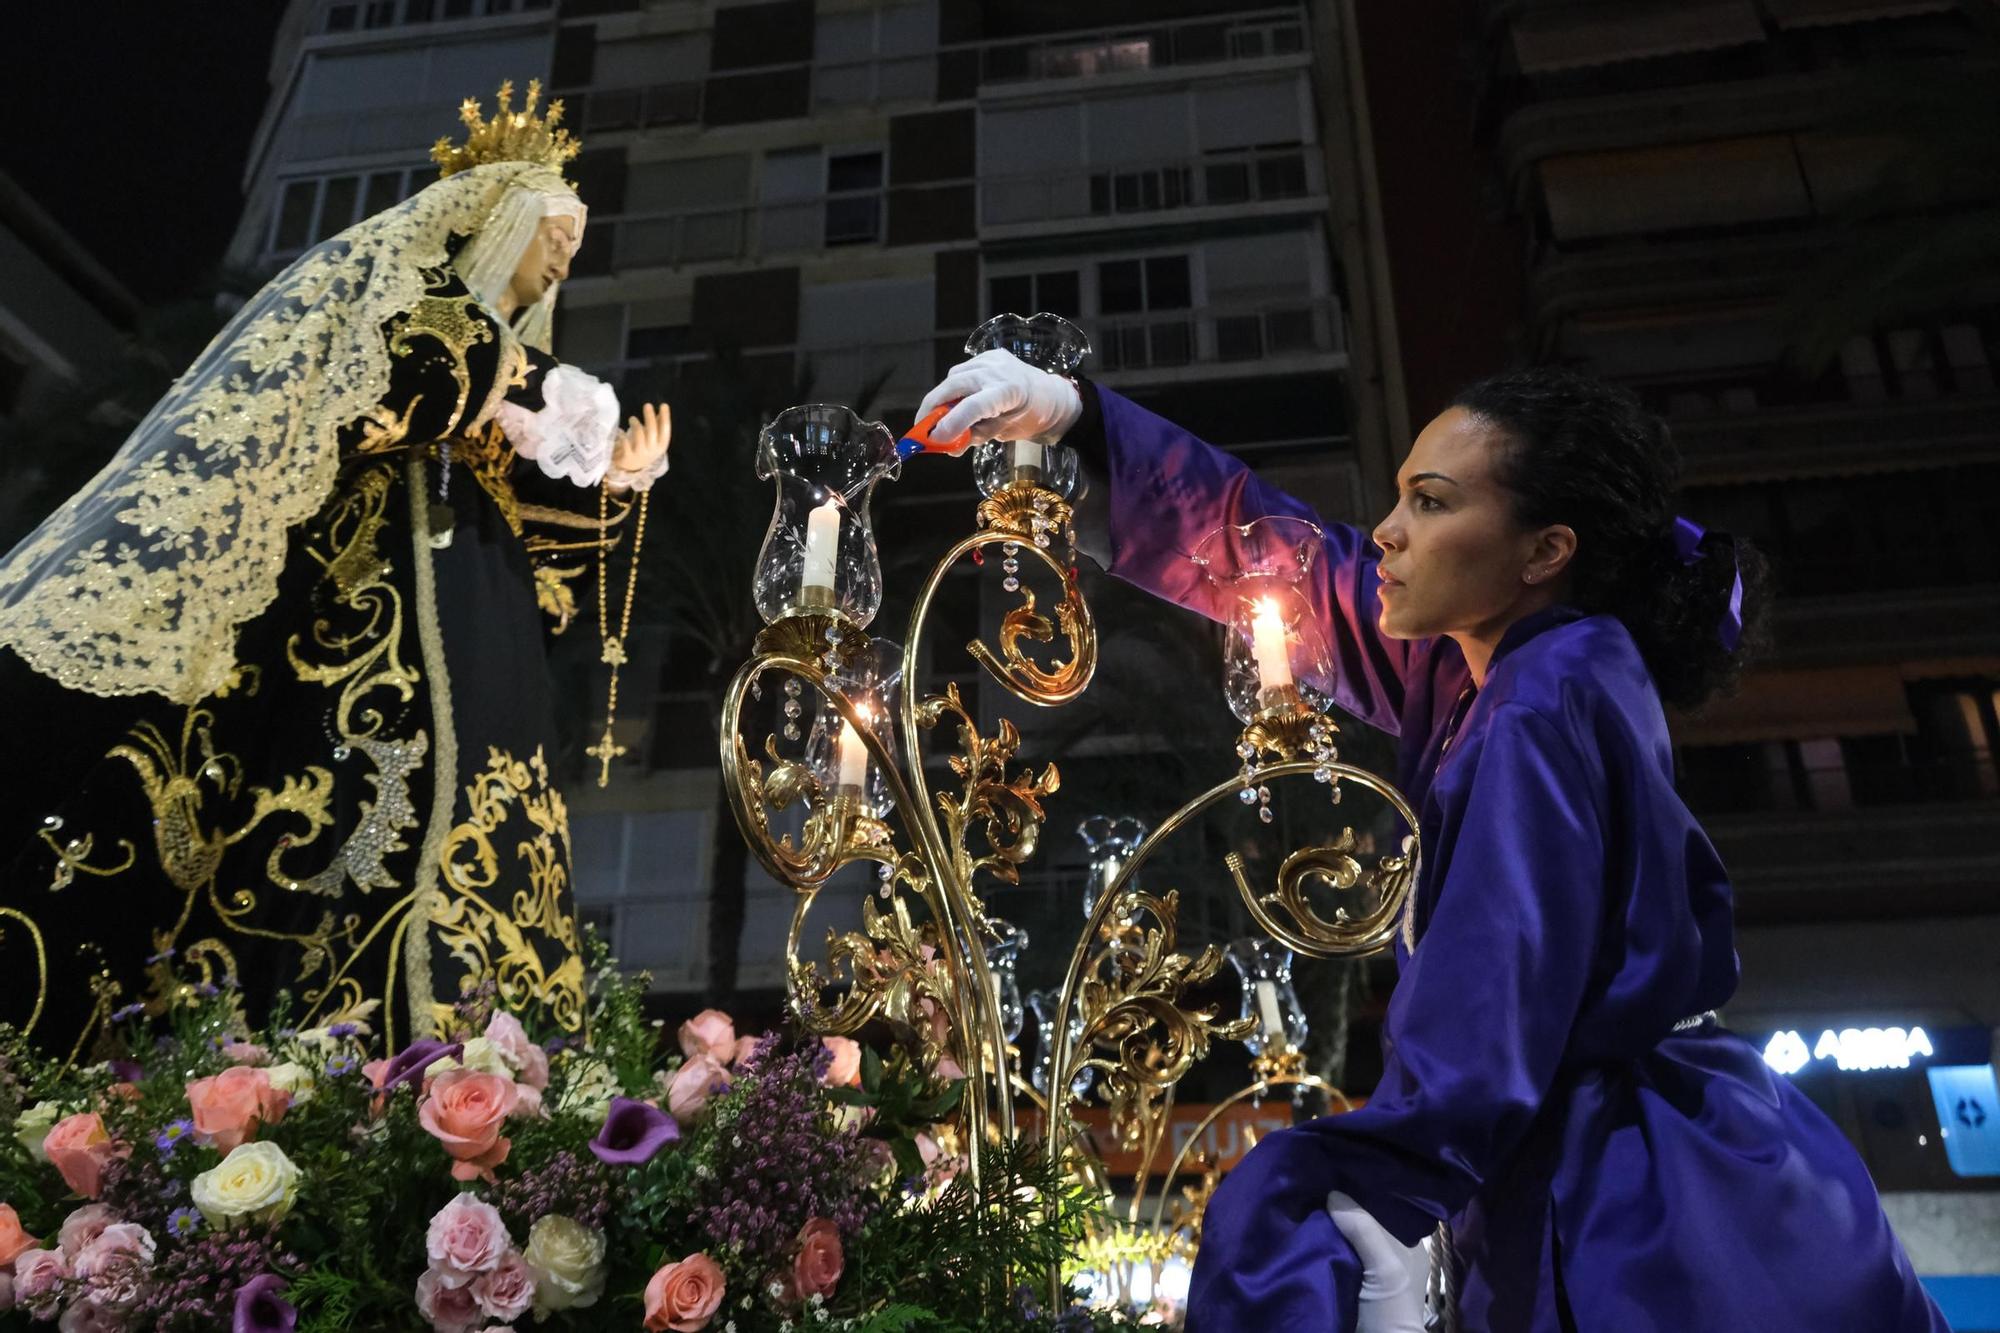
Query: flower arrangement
x=301, y=1181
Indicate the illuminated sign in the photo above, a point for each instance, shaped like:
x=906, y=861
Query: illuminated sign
x=1853, y=1049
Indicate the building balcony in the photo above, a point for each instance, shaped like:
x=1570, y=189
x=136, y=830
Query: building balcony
x=1178, y=346
x=1875, y=626
x=1927, y=860
x=1212, y=187
x=1835, y=438
x=1692, y=113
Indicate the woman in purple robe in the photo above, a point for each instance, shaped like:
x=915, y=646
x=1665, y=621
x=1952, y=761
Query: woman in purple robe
x=1557, y=1092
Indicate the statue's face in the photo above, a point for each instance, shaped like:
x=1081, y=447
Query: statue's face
x=545, y=261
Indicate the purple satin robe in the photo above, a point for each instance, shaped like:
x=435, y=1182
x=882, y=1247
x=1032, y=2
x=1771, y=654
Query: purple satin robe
x=1600, y=1171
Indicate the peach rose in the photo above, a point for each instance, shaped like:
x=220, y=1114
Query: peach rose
x=816, y=1271
x=78, y=1147
x=230, y=1106
x=710, y=1032
x=13, y=1239
x=845, y=1071
x=745, y=1048
x=688, y=1094
x=465, y=1110
x=684, y=1296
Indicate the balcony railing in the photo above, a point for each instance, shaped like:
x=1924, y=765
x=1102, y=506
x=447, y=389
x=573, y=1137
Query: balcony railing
x=1125, y=348
x=1259, y=34
x=915, y=75
x=341, y=16
x=1170, y=340
x=1250, y=176
x=736, y=233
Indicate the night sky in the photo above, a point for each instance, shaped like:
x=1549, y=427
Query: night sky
x=132, y=125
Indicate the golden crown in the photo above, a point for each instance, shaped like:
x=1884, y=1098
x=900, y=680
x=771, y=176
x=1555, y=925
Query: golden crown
x=511, y=136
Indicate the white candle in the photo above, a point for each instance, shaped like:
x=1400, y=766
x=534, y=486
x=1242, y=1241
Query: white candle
x=1025, y=454
x=822, y=547
x=1267, y=1005
x=1272, y=649
x=853, y=756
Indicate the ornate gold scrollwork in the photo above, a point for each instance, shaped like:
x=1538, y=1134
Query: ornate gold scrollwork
x=1133, y=1005
x=1384, y=886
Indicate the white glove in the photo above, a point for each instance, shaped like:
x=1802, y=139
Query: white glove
x=1393, y=1275
x=1003, y=398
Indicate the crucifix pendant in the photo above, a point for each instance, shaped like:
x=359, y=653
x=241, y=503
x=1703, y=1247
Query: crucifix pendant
x=604, y=752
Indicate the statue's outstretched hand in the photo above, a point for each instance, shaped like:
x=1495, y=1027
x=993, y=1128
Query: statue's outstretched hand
x=638, y=455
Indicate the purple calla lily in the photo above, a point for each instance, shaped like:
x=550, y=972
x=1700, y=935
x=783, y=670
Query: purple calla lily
x=410, y=1063
x=260, y=1309
x=633, y=1131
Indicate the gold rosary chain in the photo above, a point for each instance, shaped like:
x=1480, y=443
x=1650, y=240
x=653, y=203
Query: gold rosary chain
x=614, y=653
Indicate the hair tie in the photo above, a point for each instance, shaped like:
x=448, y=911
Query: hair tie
x=1687, y=535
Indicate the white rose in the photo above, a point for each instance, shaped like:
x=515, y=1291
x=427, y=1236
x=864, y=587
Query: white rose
x=482, y=1055
x=33, y=1125
x=590, y=1088
x=293, y=1079
x=255, y=1183
x=568, y=1261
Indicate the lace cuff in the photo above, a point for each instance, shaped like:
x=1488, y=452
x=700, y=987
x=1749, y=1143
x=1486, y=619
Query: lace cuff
x=621, y=480
x=571, y=436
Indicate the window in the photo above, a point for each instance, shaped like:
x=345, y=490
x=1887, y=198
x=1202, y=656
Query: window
x=311, y=210
x=1058, y=293
x=854, y=198
x=1144, y=287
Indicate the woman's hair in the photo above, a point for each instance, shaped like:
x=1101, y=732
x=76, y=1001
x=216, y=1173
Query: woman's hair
x=1587, y=454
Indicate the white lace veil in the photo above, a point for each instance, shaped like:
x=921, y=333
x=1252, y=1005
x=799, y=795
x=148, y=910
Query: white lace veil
x=139, y=582
x=487, y=262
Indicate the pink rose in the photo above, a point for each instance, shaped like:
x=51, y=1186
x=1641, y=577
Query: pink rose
x=745, y=1048
x=816, y=1270
x=14, y=1239
x=528, y=1103
x=245, y=1053
x=688, y=1094
x=451, y=1309
x=684, y=1296
x=83, y=1226
x=845, y=1071
x=508, y=1291
x=38, y=1280
x=376, y=1072
x=529, y=1062
x=711, y=1033
x=78, y=1147
x=87, y=1316
x=230, y=1106
x=466, y=1238
x=465, y=1110
x=115, y=1267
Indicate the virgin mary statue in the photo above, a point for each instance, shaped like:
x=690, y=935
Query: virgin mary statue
x=276, y=703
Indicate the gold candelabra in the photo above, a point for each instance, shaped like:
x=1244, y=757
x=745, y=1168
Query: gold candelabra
x=918, y=959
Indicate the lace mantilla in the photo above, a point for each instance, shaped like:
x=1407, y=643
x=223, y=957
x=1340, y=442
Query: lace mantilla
x=140, y=581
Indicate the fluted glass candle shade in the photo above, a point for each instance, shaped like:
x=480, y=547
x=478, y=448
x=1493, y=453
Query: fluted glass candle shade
x=873, y=682
x=1046, y=342
x=1110, y=843
x=819, y=551
x=1003, y=956
x=1275, y=654
x=1265, y=967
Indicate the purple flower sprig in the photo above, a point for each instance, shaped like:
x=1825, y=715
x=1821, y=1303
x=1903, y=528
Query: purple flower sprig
x=170, y=1138
x=195, y=1283
x=775, y=1160
x=578, y=1187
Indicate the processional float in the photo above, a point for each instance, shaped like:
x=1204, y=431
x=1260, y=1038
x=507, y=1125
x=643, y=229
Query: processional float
x=845, y=774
